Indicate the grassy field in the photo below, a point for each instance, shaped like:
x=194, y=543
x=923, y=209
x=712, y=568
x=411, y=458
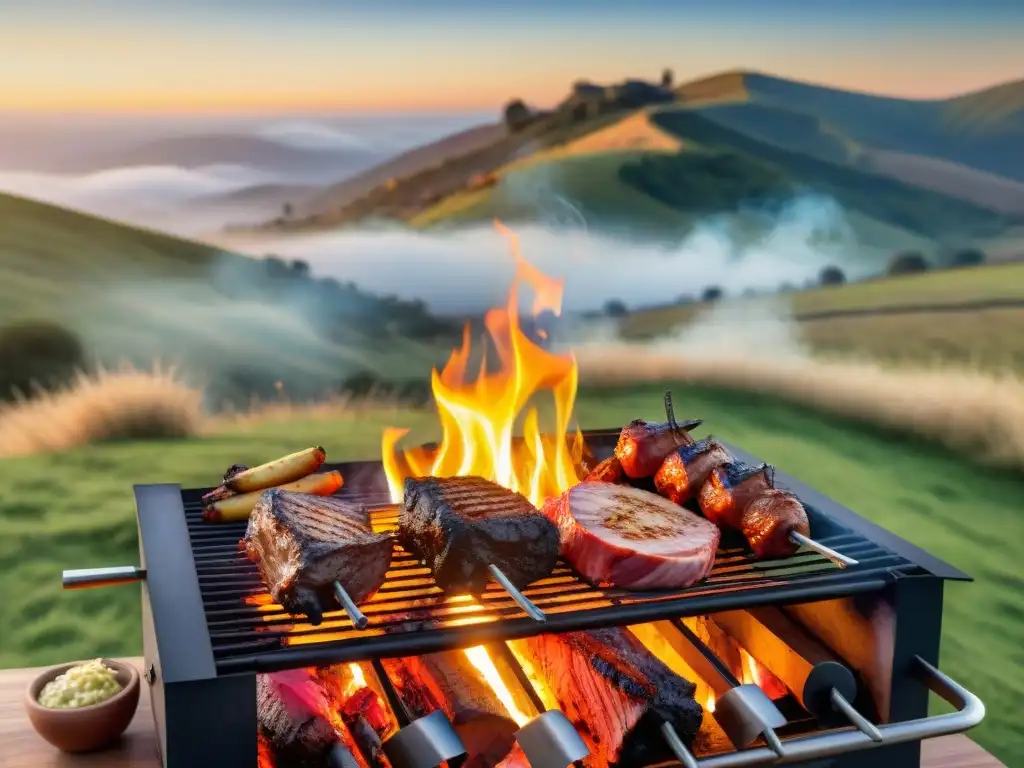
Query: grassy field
x=75, y=509
x=990, y=338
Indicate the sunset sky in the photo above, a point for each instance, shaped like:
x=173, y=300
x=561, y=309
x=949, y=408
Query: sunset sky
x=301, y=55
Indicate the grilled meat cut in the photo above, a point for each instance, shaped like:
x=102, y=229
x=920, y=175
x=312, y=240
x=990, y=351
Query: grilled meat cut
x=769, y=519
x=304, y=543
x=461, y=525
x=626, y=537
x=729, y=489
x=643, y=445
x=608, y=471
x=297, y=735
x=615, y=691
x=684, y=471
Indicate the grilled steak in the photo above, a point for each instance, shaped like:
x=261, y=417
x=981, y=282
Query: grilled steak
x=304, y=543
x=460, y=525
x=616, y=693
x=684, y=470
x=769, y=519
x=620, y=536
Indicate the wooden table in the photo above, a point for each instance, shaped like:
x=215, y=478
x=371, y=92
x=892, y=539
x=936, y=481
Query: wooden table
x=20, y=747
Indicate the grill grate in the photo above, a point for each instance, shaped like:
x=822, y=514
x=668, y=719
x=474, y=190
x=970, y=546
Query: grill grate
x=411, y=615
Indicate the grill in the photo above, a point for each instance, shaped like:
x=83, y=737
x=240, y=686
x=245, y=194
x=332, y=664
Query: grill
x=209, y=626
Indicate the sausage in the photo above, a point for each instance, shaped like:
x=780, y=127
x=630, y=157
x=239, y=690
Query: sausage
x=683, y=472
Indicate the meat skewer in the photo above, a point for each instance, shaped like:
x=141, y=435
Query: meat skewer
x=469, y=530
x=643, y=445
x=615, y=691
x=293, y=727
x=630, y=538
x=683, y=472
x=608, y=471
x=308, y=547
x=774, y=522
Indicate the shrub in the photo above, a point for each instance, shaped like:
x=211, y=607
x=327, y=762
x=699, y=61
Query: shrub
x=711, y=293
x=615, y=308
x=37, y=353
x=967, y=257
x=908, y=263
x=832, y=276
x=122, y=405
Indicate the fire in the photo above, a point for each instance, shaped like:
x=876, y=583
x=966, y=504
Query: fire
x=478, y=417
x=480, y=659
x=751, y=674
x=709, y=703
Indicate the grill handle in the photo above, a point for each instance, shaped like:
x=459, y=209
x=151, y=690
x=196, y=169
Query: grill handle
x=970, y=712
x=85, y=578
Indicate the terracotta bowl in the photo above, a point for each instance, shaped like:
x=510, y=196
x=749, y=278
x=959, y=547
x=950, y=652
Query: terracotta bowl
x=84, y=728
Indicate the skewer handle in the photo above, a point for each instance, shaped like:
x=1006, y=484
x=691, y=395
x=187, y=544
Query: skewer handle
x=85, y=578
x=522, y=601
x=683, y=755
x=838, y=558
x=864, y=725
x=359, y=620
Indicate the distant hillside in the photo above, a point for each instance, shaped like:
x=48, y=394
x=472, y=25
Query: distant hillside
x=982, y=130
x=227, y=319
x=238, y=149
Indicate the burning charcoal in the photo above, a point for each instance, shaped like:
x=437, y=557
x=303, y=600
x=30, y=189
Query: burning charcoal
x=615, y=691
x=449, y=681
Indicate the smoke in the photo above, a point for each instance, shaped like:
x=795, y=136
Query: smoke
x=469, y=269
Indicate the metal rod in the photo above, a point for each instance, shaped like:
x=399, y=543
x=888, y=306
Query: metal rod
x=836, y=557
x=774, y=743
x=863, y=724
x=522, y=601
x=341, y=757
x=670, y=412
x=683, y=755
x=86, y=578
x=359, y=620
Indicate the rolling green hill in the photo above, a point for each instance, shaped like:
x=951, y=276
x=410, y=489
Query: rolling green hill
x=136, y=295
x=983, y=130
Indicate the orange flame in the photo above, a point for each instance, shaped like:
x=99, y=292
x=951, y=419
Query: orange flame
x=478, y=417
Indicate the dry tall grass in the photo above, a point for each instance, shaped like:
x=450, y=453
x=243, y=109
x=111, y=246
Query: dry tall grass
x=959, y=408
x=109, y=405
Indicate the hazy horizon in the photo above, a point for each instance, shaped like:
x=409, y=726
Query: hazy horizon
x=226, y=56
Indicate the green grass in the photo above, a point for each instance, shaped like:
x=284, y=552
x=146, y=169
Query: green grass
x=75, y=510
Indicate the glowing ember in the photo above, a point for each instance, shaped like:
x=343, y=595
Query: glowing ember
x=480, y=659
x=478, y=417
x=709, y=705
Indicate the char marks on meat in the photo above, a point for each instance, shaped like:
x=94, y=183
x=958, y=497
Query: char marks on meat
x=768, y=520
x=459, y=526
x=643, y=445
x=730, y=488
x=304, y=543
x=621, y=536
x=608, y=471
x=684, y=471
x=616, y=693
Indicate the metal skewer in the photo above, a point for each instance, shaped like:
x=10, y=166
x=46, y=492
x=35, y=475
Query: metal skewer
x=522, y=600
x=683, y=755
x=864, y=725
x=358, y=618
x=838, y=558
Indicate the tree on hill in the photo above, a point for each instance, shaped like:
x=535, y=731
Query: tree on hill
x=615, y=308
x=908, y=263
x=711, y=293
x=667, y=78
x=967, y=257
x=517, y=115
x=37, y=353
x=832, y=275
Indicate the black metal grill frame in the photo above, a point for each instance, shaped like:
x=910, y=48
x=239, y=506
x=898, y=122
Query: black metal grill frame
x=247, y=638
x=204, y=700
